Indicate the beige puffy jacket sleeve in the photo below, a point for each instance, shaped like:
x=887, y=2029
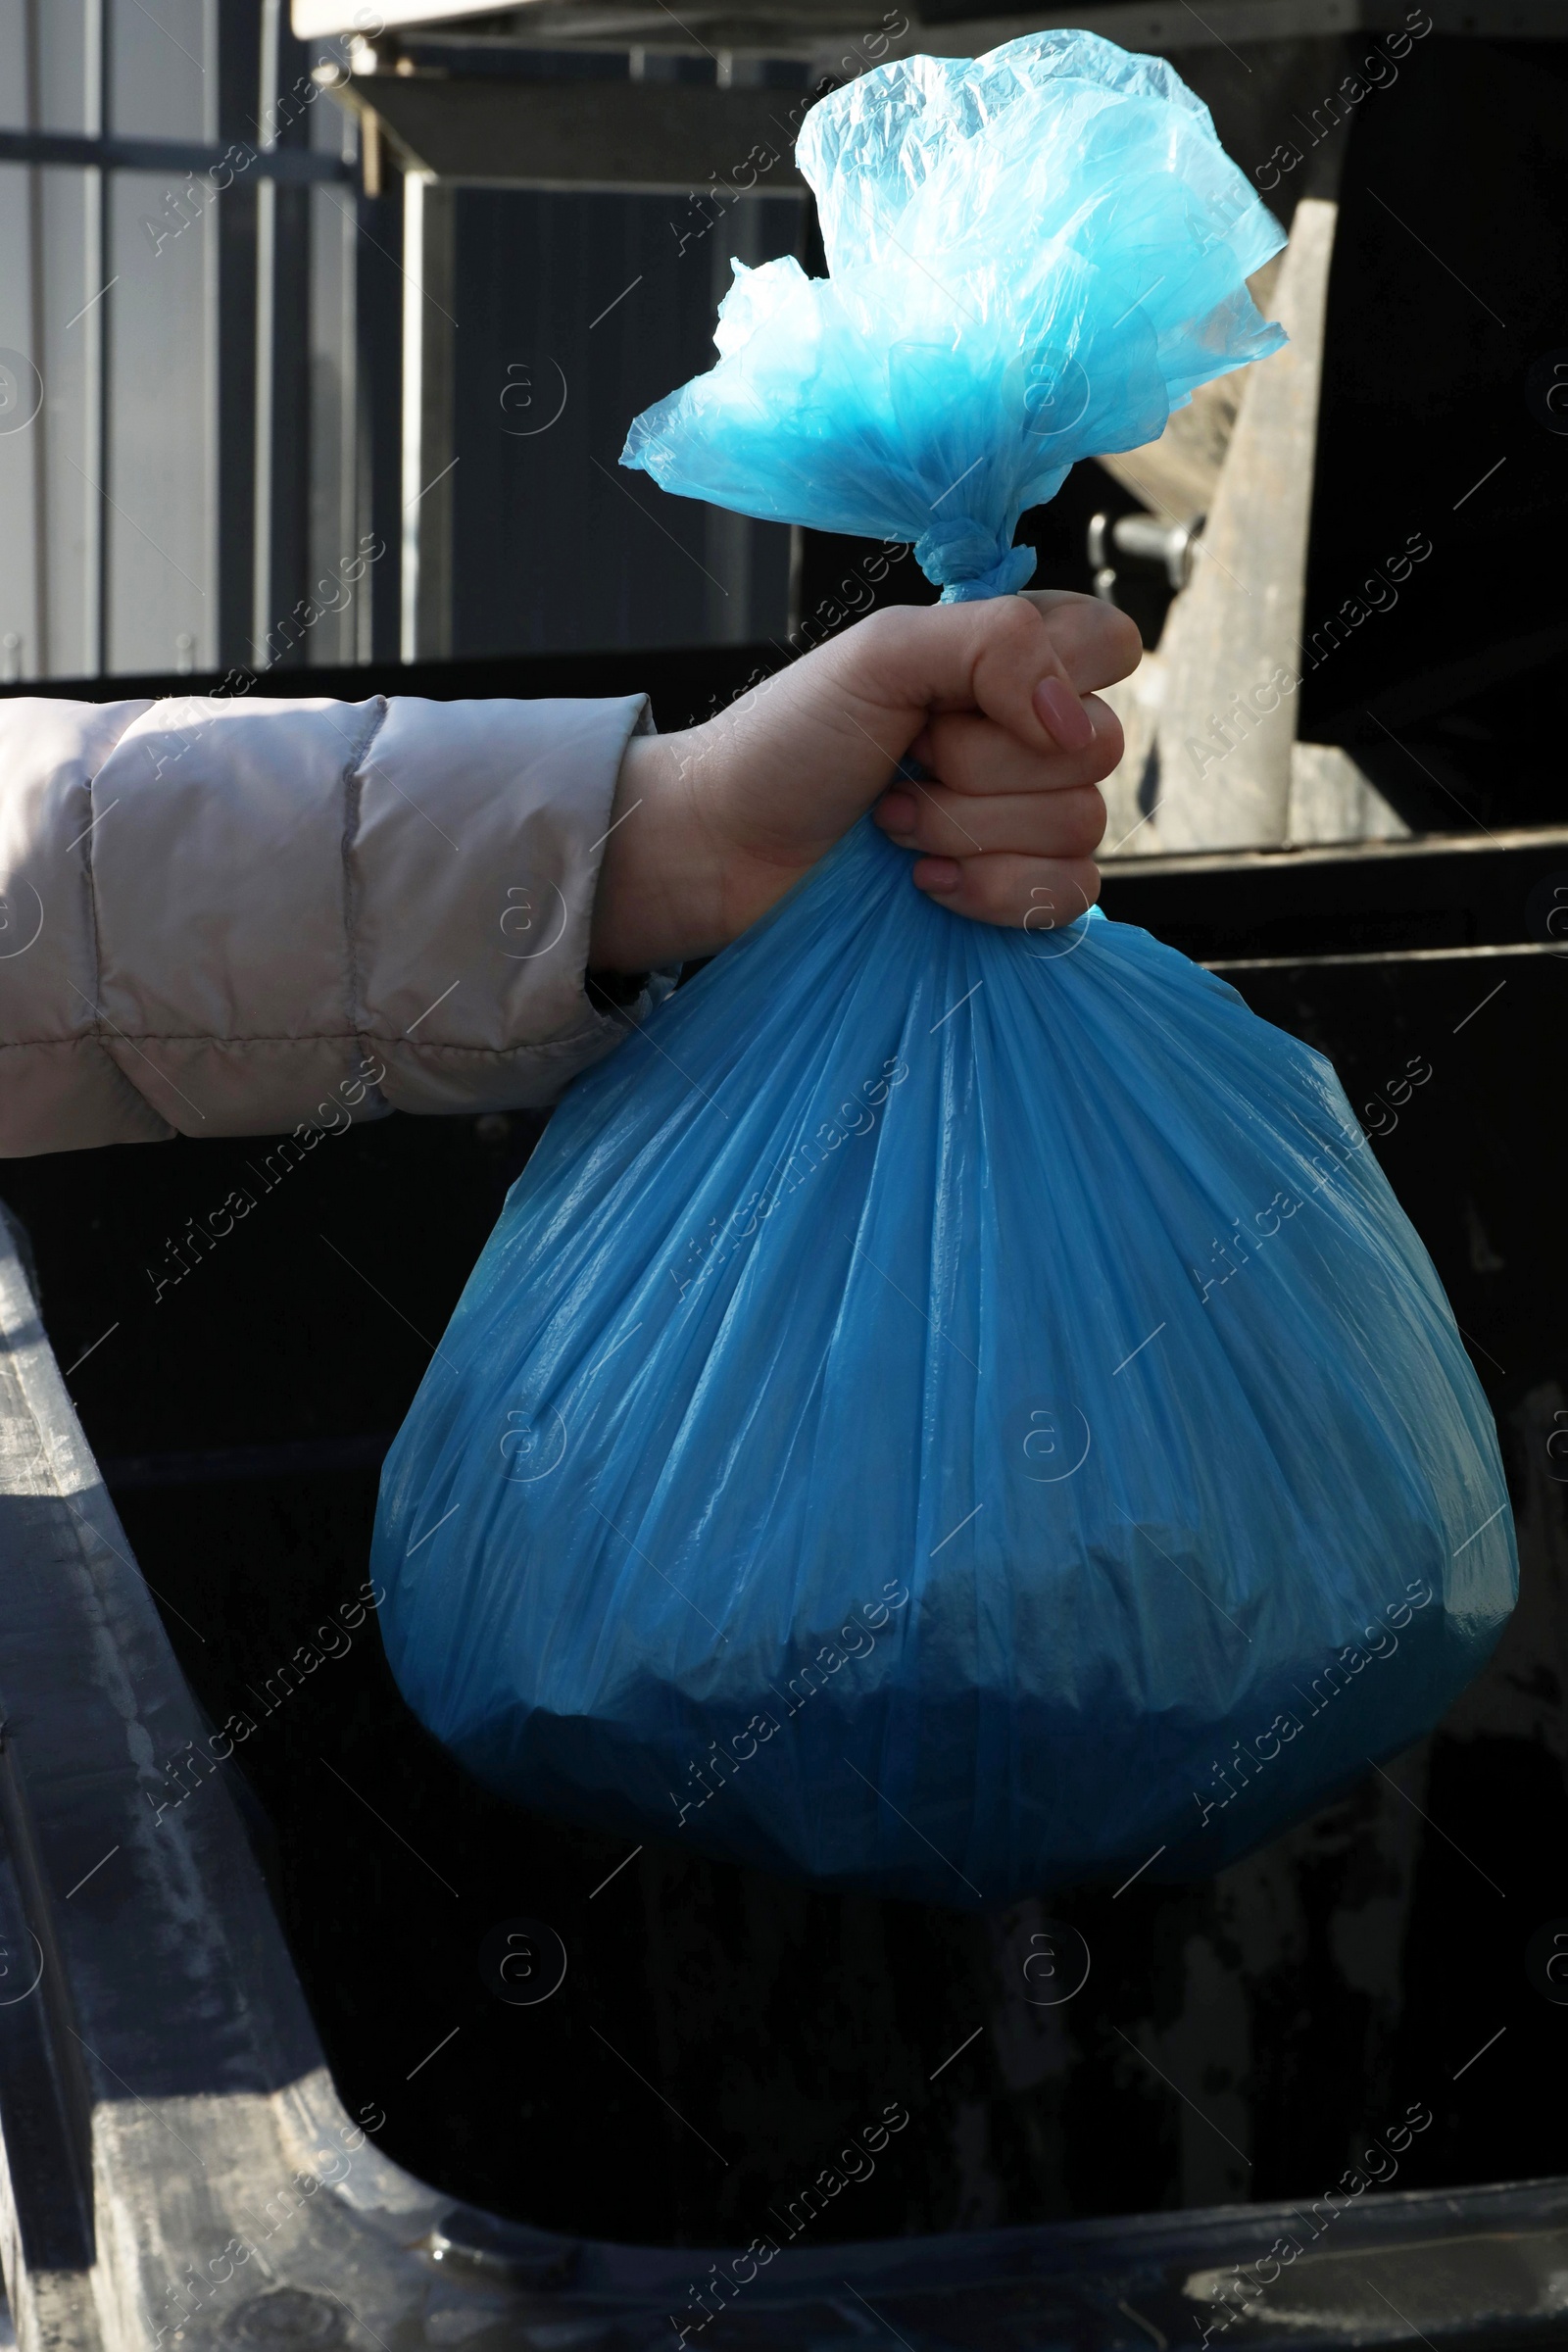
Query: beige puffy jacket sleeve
x=230, y=917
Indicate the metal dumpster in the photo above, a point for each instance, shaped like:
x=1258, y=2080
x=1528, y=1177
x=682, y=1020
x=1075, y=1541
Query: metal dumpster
x=305, y=2039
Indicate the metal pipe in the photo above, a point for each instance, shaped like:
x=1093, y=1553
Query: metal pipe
x=266, y=335
x=415, y=184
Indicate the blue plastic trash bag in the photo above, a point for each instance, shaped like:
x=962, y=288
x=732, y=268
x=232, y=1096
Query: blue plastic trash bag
x=947, y=1412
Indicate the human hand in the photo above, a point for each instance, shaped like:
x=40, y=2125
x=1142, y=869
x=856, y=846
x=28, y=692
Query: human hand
x=995, y=700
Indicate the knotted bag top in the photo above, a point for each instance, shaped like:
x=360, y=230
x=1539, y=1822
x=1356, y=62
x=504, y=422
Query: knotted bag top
x=1034, y=257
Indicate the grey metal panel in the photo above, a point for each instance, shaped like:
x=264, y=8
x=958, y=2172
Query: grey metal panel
x=48, y=439
x=67, y=29
x=12, y=66
x=635, y=137
x=162, y=586
x=159, y=68
x=116, y=278
x=69, y=209
x=18, y=429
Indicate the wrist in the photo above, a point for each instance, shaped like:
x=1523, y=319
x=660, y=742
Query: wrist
x=655, y=903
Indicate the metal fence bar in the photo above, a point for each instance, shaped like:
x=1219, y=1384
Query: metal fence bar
x=96, y=114
x=238, y=158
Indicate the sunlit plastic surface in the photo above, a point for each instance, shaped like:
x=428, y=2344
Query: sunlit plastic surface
x=1034, y=256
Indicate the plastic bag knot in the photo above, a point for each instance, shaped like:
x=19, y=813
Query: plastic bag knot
x=968, y=563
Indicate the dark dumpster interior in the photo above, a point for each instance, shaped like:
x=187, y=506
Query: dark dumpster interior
x=722, y=2041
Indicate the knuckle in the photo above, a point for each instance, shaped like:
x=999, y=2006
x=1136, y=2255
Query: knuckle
x=1109, y=744
x=1085, y=879
x=1010, y=627
x=1054, y=892
x=991, y=893
x=1103, y=756
x=881, y=638
x=1126, y=642
x=888, y=623
x=1081, y=821
x=1020, y=625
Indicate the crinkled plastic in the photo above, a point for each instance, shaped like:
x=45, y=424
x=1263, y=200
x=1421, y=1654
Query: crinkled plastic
x=947, y=1410
x=1035, y=255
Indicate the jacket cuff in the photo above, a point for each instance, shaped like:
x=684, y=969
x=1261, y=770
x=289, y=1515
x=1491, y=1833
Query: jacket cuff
x=478, y=832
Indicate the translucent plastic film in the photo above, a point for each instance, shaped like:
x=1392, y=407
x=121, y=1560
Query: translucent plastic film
x=1034, y=256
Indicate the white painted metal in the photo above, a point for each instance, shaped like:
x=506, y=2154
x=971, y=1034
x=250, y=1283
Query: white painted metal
x=1136, y=23
x=1210, y=716
x=1234, y=638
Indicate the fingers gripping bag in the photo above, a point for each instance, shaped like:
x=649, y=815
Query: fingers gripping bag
x=951, y=1410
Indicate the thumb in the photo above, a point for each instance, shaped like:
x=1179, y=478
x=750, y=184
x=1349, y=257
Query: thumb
x=807, y=753
x=1000, y=657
